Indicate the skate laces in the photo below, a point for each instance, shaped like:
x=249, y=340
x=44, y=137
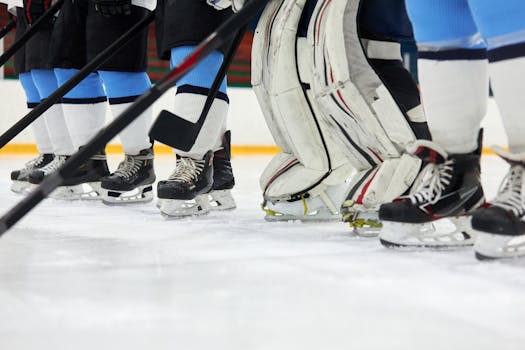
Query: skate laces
x=128, y=167
x=436, y=178
x=53, y=166
x=187, y=170
x=33, y=163
x=509, y=194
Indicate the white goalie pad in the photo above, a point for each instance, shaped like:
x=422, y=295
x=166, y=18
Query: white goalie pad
x=346, y=87
x=370, y=188
x=310, y=152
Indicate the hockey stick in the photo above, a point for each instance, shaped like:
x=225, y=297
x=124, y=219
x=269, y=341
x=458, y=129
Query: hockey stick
x=7, y=28
x=181, y=134
x=35, y=27
x=77, y=78
x=210, y=44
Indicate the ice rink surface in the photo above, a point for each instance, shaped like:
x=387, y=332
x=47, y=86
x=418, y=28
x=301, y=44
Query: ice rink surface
x=81, y=275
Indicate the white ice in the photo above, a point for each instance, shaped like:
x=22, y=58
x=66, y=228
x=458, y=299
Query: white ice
x=81, y=275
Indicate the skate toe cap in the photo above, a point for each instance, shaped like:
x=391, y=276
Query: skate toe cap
x=36, y=177
x=498, y=221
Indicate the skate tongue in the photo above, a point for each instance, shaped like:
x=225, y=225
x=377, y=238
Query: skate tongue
x=428, y=151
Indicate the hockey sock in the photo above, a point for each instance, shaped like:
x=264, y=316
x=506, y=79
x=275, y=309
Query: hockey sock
x=46, y=83
x=43, y=142
x=453, y=71
x=455, y=96
x=191, y=96
x=503, y=27
x=122, y=89
x=84, y=106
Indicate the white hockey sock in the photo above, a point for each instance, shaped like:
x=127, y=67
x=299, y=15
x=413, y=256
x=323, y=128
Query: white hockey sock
x=84, y=121
x=134, y=137
x=454, y=95
x=58, y=131
x=507, y=82
x=189, y=106
x=43, y=142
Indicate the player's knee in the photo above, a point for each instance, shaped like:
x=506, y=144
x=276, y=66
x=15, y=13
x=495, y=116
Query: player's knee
x=89, y=88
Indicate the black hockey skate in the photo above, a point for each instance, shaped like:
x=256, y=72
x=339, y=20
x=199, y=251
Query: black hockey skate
x=185, y=192
x=500, y=224
x=437, y=213
x=133, y=180
x=84, y=184
x=223, y=179
x=20, y=177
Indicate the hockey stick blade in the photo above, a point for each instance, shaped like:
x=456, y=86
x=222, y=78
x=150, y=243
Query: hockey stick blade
x=210, y=44
x=35, y=27
x=181, y=134
x=92, y=66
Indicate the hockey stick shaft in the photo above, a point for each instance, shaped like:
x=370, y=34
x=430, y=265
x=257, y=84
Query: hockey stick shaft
x=35, y=27
x=210, y=44
x=92, y=66
x=7, y=28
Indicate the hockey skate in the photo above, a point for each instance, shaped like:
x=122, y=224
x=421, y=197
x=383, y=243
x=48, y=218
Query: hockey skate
x=500, y=225
x=322, y=207
x=437, y=213
x=185, y=192
x=132, y=182
x=20, y=177
x=84, y=184
x=223, y=179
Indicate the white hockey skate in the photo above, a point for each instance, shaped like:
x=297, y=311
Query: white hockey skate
x=185, y=192
x=321, y=207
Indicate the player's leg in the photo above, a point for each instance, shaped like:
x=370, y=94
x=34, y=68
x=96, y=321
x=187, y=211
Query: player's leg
x=84, y=106
x=502, y=221
x=182, y=25
x=125, y=78
x=383, y=25
x=454, y=84
x=43, y=142
x=22, y=67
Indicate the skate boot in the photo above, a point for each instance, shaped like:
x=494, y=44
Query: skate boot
x=223, y=179
x=437, y=213
x=20, y=177
x=84, y=184
x=185, y=192
x=500, y=224
x=132, y=182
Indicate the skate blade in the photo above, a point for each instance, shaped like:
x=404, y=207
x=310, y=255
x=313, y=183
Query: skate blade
x=366, y=228
x=364, y=223
x=221, y=200
x=20, y=187
x=141, y=194
x=492, y=247
x=85, y=191
x=316, y=216
x=178, y=209
x=448, y=233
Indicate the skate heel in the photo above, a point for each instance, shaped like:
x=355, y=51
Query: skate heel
x=140, y=194
x=221, y=200
x=84, y=191
x=451, y=232
x=178, y=209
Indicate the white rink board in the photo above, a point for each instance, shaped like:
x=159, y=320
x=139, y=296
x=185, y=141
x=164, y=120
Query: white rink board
x=246, y=120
